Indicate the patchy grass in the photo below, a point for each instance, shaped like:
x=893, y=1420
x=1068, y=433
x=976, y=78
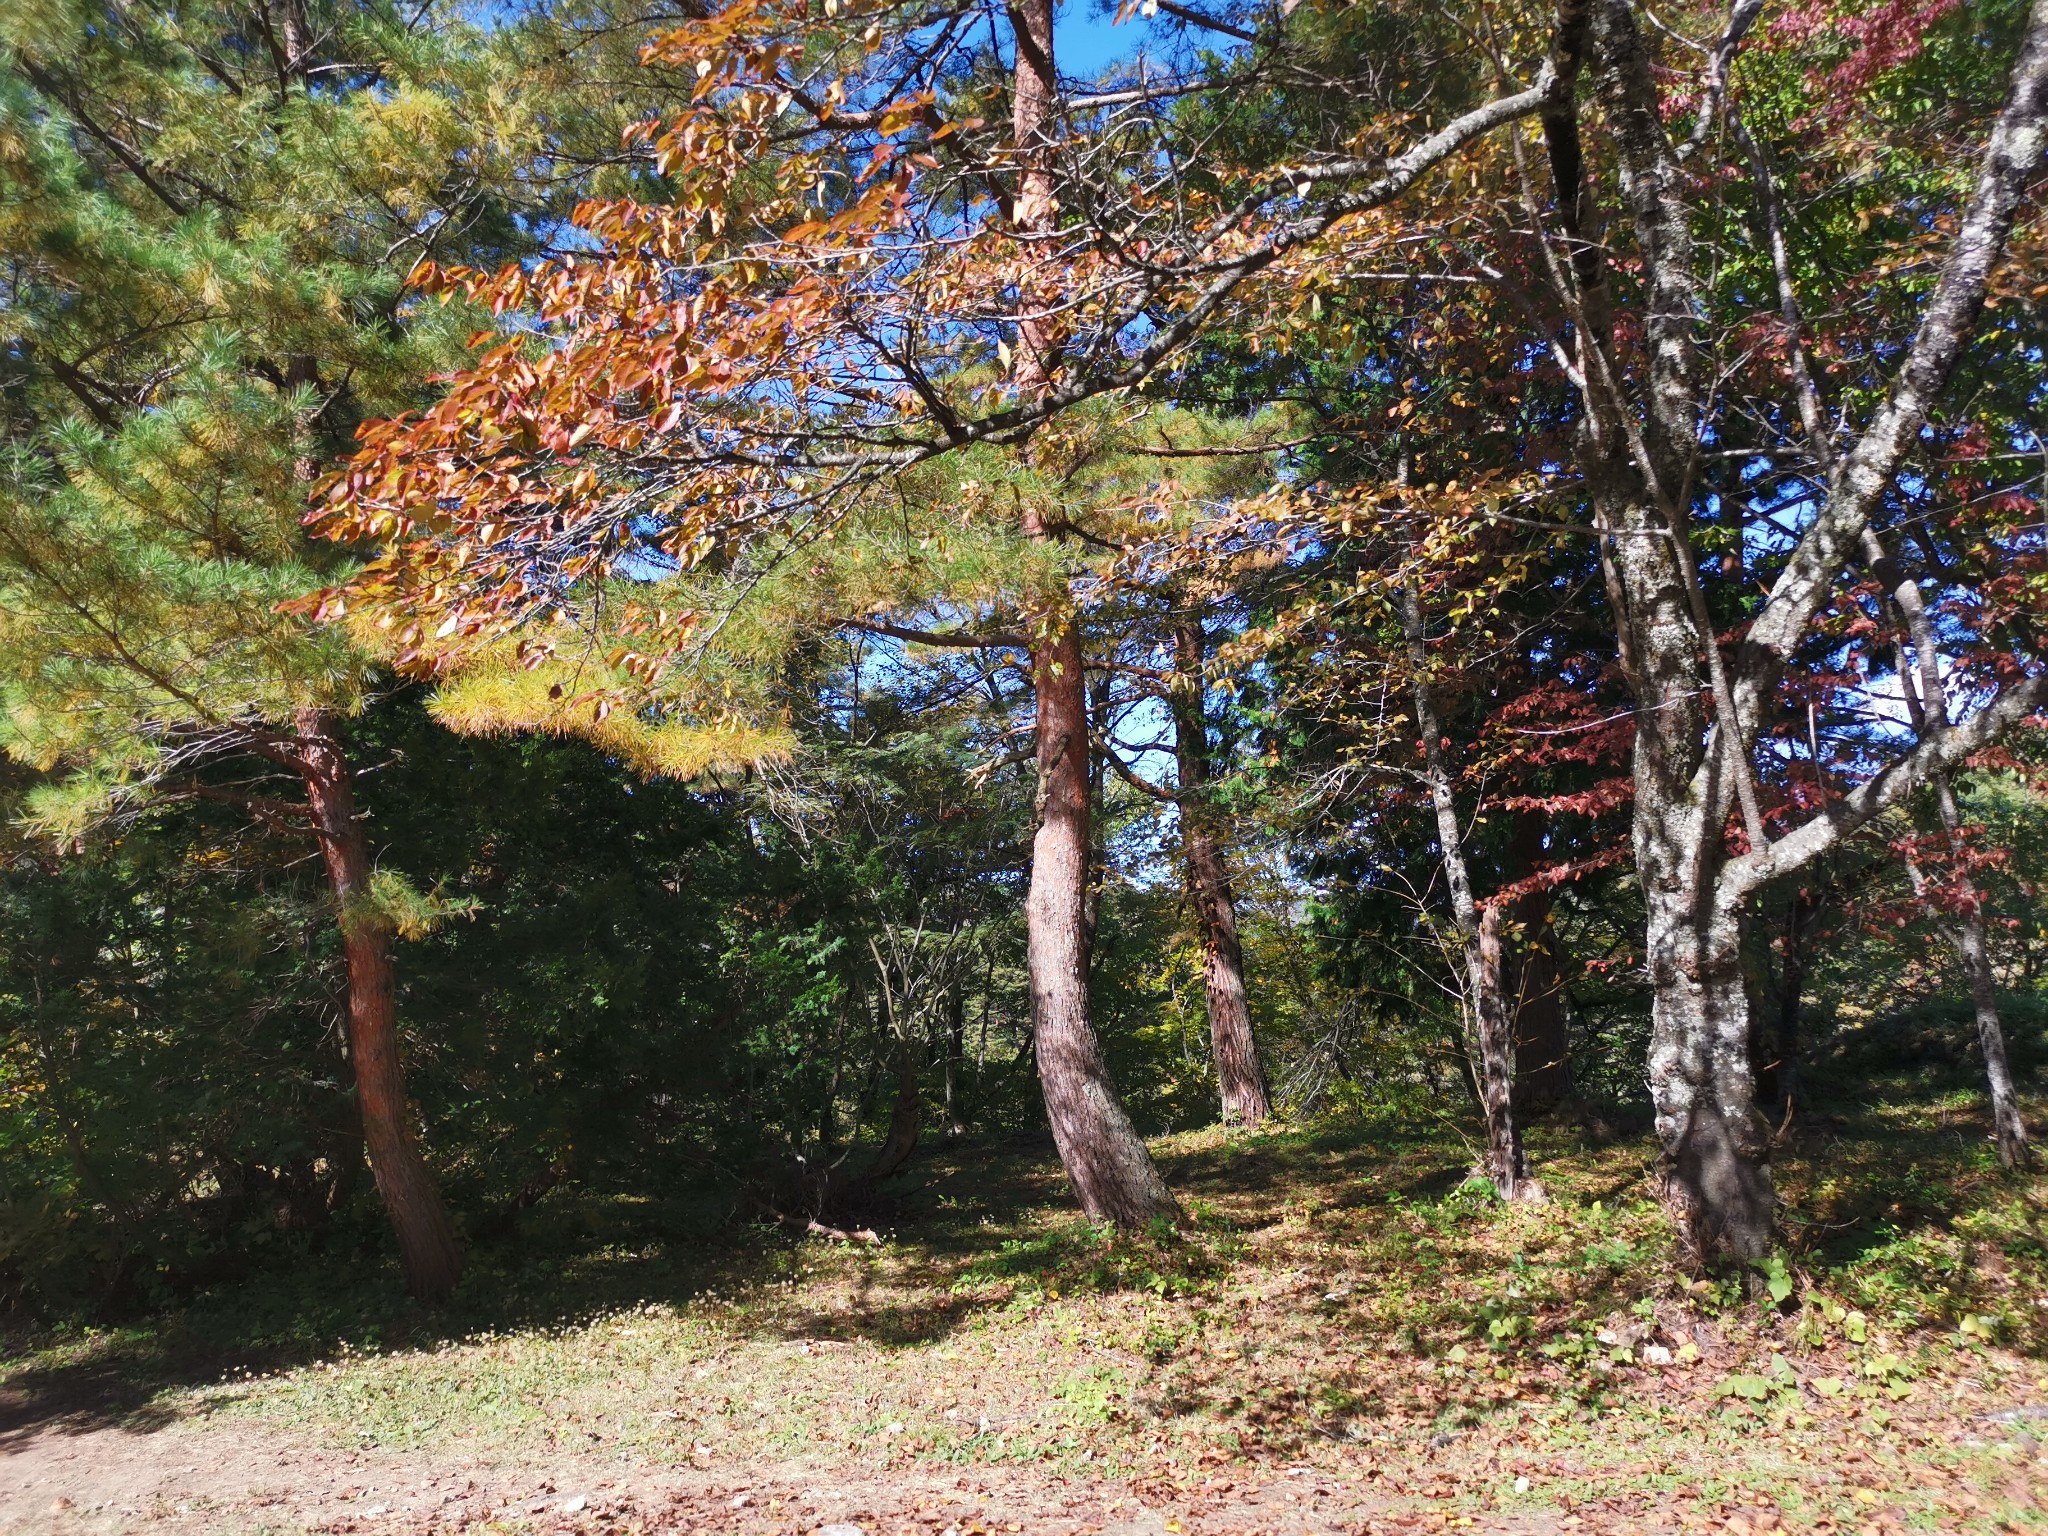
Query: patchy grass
x=1345, y=1301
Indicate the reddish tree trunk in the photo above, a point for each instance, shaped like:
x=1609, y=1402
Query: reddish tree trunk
x=1240, y=1077
x=1033, y=87
x=1112, y=1172
x=426, y=1239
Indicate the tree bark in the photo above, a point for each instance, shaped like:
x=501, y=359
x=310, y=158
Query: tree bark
x=1034, y=86
x=1716, y=1156
x=1927, y=704
x=1972, y=946
x=955, y=1049
x=1786, y=1090
x=1966, y=931
x=1543, y=1068
x=1715, y=1163
x=426, y=1239
x=1638, y=450
x=1105, y=1158
x=906, y=1116
x=906, y=1113
x=1479, y=937
x=1240, y=1076
x=1107, y=1161
x=2006, y=1124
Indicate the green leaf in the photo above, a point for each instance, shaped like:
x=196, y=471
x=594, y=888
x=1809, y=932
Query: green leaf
x=1777, y=1278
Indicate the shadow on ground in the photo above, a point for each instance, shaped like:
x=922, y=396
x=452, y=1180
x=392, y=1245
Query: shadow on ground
x=972, y=1222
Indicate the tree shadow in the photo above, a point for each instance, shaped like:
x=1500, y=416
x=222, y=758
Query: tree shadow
x=970, y=1224
x=1863, y=1181
x=106, y=1390
x=576, y=1259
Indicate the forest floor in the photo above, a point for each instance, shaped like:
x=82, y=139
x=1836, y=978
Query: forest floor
x=1351, y=1339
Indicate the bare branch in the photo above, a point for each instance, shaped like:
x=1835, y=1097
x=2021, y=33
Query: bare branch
x=2011, y=159
x=1943, y=752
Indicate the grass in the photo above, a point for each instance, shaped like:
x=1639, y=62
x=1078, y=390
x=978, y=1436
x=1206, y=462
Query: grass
x=1345, y=1299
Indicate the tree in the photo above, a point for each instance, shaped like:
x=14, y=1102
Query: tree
x=1240, y=1075
x=1701, y=709
x=209, y=216
x=847, y=345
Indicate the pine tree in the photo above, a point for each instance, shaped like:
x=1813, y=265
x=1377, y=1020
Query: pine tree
x=208, y=214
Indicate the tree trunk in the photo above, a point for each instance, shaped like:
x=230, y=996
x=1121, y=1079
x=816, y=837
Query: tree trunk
x=1543, y=1067
x=426, y=1239
x=1928, y=706
x=1715, y=1162
x=1789, y=1093
x=1969, y=936
x=2006, y=1124
x=1479, y=938
x=1112, y=1172
x=1240, y=1077
x=1505, y=1162
x=1966, y=931
x=1105, y=1158
x=906, y=1116
x=906, y=1113
x=1716, y=1155
x=1688, y=777
x=955, y=1049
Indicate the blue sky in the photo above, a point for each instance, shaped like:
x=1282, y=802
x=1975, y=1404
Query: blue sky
x=1086, y=42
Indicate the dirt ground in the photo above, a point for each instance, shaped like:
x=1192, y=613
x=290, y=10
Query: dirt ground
x=71, y=1476
x=237, y=1478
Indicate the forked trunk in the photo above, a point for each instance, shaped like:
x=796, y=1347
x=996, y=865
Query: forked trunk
x=906, y=1116
x=1715, y=1167
x=1111, y=1170
x=426, y=1239
x=1240, y=1076
x=1716, y=1153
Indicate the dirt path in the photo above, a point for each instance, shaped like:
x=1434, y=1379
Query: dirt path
x=234, y=1478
